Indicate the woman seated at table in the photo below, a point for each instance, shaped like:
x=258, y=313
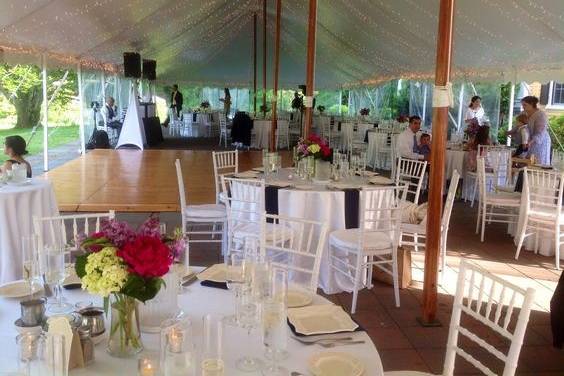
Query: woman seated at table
x=14, y=148
x=482, y=138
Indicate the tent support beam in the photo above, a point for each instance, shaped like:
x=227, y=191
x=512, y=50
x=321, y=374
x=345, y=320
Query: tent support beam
x=264, y=57
x=437, y=171
x=255, y=63
x=510, y=114
x=45, y=113
x=460, y=107
x=81, y=104
x=424, y=109
x=310, y=65
x=274, y=123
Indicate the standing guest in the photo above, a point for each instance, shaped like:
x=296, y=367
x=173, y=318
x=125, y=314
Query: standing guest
x=226, y=102
x=424, y=147
x=520, y=134
x=15, y=149
x=176, y=100
x=475, y=111
x=539, y=143
x=407, y=143
x=482, y=138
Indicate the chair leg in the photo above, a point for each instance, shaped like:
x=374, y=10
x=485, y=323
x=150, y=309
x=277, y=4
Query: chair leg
x=474, y=192
x=357, y=277
x=415, y=242
x=557, y=246
x=483, y=223
x=521, y=239
x=395, y=276
x=478, y=217
x=369, y=274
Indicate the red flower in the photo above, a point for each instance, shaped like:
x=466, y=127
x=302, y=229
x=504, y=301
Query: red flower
x=146, y=256
x=325, y=151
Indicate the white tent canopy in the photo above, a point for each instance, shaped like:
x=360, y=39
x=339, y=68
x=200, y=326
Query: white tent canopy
x=358, y=41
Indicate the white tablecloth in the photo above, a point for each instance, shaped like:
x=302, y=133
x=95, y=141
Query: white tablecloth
x=261, y=129
x=18, y=205
x=455, y=160
x=197, y=302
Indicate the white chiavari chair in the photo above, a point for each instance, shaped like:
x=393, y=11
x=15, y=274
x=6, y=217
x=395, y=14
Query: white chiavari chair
x=354, y=252
x=202, y=223
x=224, y=162
x=67, y=229
x=411, y=172
x=497, y=207
x=300, y=253
x=542, y=192
x=485, y=298
x=282, y=134
x=497, y=157
x=224, y=132
x=557, y=159
x=414, y=234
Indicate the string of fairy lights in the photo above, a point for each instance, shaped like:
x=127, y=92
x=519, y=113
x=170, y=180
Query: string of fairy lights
x=363, y=42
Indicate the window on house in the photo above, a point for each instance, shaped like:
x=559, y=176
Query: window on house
x=558, y=93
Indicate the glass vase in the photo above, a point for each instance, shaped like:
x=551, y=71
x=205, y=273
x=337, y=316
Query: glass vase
x=125, y=336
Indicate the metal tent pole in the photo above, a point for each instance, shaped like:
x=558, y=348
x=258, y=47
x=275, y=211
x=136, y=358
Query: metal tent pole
x=45, y=114
x=510, y=114
x=81, y=103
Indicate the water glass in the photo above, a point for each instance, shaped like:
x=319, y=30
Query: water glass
x=310, y=167
x=55, y=270
x=180, y=360
x=279, y=285
x=249, y=318
x=236, y=281
x=260, y=280
x=212, y=349
x=275, y=336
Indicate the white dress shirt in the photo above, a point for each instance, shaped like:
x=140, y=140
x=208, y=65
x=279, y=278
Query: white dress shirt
x=405, y=145
x=477, y=113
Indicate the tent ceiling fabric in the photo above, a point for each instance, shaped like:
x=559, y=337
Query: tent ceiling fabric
x=358, y=41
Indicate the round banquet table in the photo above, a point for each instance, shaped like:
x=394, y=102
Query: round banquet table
x=319, y=203
x=18, y=206
x=455, y=160
x=261, y=129
x=196, y=302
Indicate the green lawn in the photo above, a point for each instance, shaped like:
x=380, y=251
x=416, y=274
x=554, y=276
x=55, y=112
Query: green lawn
x=57, y=136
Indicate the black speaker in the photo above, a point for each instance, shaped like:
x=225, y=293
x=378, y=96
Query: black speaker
x=132, y=64
x=150, y=69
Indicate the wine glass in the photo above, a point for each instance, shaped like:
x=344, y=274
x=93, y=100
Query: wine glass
x=55, y=272
x=212, y=351
x=275, y=336
x=249, y=318
x=30, y=261
x=279, y=285
x=236, y=279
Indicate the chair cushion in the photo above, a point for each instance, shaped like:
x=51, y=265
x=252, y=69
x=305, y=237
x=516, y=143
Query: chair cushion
x=504, y=198
x=410, y=228
x=206, y=211
x=373, y=241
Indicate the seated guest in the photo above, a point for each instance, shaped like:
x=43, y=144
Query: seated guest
x=110, y=114
x=14, y=148
x=407, y=144
x=424, y=147
x=522, y=136
x=482, y=138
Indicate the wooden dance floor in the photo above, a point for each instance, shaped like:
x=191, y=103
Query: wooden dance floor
x=138, y=181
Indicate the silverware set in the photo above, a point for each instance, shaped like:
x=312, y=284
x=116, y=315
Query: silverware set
x=329, y=342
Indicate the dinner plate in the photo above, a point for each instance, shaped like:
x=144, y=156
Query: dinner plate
x=215, y=273
x=296, y=297
x=19, y=183
x=380, y=180
x=279, y=183
x=258, y=169
x=18, y=289
x=334, y=363
x=304, y=187
x=321, y=319
x=340, y=186
x=246, y=175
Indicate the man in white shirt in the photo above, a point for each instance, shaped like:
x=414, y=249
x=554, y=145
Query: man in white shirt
x=110, y=114
x=408, y=140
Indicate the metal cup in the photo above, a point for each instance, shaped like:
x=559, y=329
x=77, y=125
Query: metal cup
x=33, y=311
x=93, y=318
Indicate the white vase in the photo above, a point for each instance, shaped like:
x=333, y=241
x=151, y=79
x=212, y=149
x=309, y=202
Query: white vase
x=322, y=170
x=162, y=307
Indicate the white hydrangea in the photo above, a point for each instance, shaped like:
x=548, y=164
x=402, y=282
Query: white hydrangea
x=105, y=272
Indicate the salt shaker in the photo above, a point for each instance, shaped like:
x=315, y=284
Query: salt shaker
x=87, y=345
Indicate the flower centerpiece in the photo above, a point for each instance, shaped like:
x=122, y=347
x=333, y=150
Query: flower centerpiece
x=124, y=267
x=321, y=109
x=319, y=153
x=364, y=111
x=472, y=128
x=205, y=105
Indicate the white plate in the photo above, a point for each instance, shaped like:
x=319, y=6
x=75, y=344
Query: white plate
x=304, y=187
x=18, y=289
x=297, y=297
x=215, y=273
x=258, y=169
x=339, y=186
x=19, y=183
x=381, y=180
x=335, y=364
x=321, y=319
x=279, y=183
x=246, y=175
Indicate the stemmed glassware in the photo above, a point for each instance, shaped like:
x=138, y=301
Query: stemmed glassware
x=275, y=336
x=212, y=351
x=55, y=262
x=237, y=280
x=30, y=260
x=249, y=318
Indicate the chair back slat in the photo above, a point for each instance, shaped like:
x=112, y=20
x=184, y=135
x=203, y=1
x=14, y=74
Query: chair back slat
x=543, y=192
x=411, y=172
x=224, y=162
x=478, y=284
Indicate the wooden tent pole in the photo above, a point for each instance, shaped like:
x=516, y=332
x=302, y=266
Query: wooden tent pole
x=437, y=169
x=310, y=66
x=274, y=123
x=264, y=55
x=255, y=63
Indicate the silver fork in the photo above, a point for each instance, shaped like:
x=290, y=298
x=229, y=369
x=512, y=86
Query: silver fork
x=334, y=344
x=307, y=343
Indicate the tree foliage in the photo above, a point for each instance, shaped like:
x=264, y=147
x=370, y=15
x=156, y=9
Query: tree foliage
x=21, y=85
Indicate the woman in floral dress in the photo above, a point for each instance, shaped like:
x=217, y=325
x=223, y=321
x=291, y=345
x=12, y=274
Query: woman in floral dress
x=539, y=143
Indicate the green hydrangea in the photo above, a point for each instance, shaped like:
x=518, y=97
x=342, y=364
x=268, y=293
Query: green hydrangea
x=314, y=148
x=105, y=272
